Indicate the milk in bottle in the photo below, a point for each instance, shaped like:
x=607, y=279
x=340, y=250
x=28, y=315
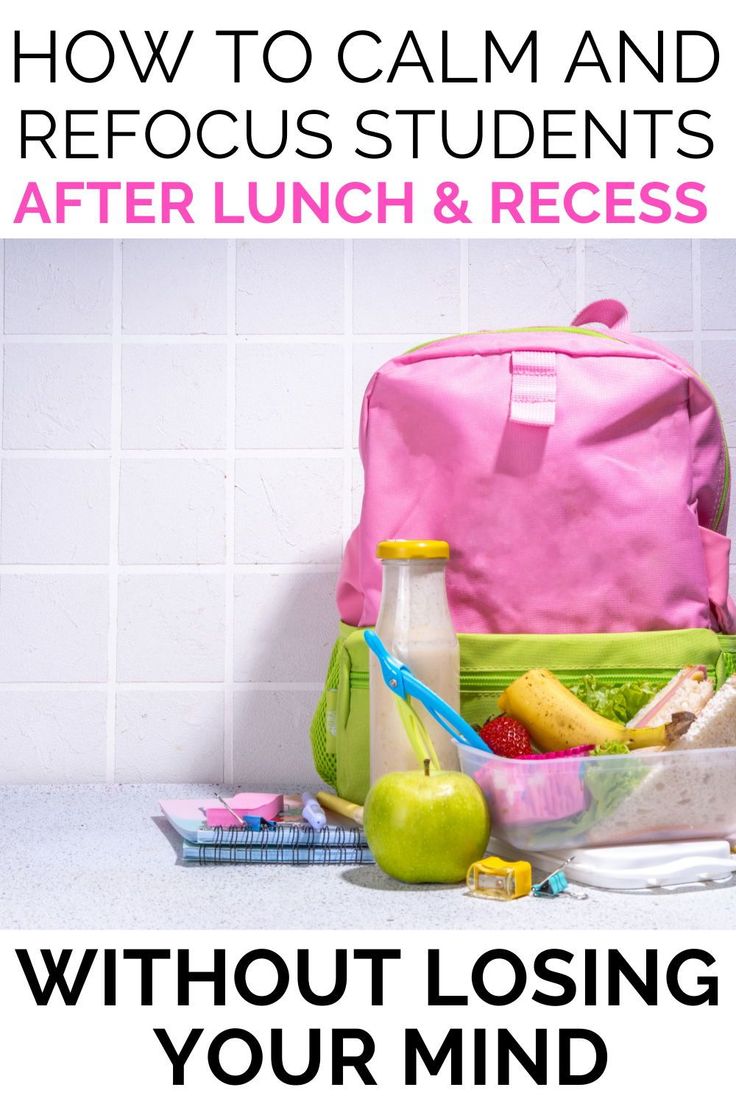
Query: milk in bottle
x=414, y=624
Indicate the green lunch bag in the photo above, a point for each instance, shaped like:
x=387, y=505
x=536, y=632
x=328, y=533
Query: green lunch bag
x=614, y=672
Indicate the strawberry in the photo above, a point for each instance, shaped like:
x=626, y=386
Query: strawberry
x=506, y=737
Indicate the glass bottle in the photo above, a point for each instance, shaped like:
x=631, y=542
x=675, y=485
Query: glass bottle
x=415, y=625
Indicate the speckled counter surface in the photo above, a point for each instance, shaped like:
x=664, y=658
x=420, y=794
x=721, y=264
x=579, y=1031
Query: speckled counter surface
x=102, y=856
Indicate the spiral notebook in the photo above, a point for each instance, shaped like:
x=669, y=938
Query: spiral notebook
x=333, y=855
x=289, y=840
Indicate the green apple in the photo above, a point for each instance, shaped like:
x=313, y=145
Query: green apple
x=426, y=825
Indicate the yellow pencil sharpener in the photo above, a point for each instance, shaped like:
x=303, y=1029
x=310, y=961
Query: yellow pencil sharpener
x=499, y=880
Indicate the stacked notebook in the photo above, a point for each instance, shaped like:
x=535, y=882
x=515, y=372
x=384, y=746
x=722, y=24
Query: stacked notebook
x=287, y=839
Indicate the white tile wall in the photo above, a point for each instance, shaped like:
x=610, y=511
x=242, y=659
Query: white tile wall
x=174, y=396
x=171, y=628
x=57, y=396
x=654, y=277
x=287, y=287
x=172, y=734
x=174, y=287
x=172, y=511
x=54, y=511
x=405, y=285
x=284, y=627
x=178, y=469
x=288, y=510
x=58, y=287
x=52, y=734
x=54, y=627
x=289, y=398
x=501, y=287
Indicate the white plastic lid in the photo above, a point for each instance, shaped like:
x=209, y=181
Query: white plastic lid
x=637, y=865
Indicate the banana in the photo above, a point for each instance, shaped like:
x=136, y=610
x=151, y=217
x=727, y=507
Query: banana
x=557, y=720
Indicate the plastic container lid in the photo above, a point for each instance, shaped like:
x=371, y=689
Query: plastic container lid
x=413, y=550
x=636, y=866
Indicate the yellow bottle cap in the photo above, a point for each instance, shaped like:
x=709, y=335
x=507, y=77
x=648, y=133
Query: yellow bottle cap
x=413, y=550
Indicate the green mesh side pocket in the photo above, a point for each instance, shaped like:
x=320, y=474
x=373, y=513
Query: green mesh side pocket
x=322, y=730
x=352, y=744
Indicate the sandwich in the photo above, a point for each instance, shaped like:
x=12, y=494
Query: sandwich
x=682, y=795
x=715, y=725
x=687, y=692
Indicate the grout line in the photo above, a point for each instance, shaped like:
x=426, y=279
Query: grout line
x=228, y=744
x=464, y=285
x=347, y=421
x=172, y=454
x=206, y=687
x=400, y=340
x=57, y=339
x=697, y=284
x=53, y=569
x=170, y=569
x=2, y=287
x=670, y=335
x=2, y=369
x=55, y=454
x=114, y=506
x=171, y=339
x=580, y=275
x=217, y=339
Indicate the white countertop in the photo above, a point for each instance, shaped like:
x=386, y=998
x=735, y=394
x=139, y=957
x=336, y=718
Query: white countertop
x=102, y=856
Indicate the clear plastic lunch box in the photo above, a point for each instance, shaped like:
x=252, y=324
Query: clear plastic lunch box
x=550, y=804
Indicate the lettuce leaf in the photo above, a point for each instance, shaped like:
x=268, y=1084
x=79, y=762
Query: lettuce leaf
x=618, y=703
x=612, y=747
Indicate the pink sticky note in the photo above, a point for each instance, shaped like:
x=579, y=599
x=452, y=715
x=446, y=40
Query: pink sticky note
x=264, y=805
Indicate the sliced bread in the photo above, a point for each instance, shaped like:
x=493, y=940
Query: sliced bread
x=687, y=692
x=682, y=796
x=715, y=726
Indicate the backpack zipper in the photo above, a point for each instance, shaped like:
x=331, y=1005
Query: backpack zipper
x=518, y=329
x=726, y=488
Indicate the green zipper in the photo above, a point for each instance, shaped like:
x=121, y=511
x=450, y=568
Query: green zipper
x=726, y=488
x=518, y=329
x=498, y=680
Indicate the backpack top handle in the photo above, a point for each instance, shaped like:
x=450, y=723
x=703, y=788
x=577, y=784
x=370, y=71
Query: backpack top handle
x=603, y=312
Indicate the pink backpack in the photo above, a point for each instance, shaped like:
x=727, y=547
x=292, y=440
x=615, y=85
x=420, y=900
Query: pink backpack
x=579, y=474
